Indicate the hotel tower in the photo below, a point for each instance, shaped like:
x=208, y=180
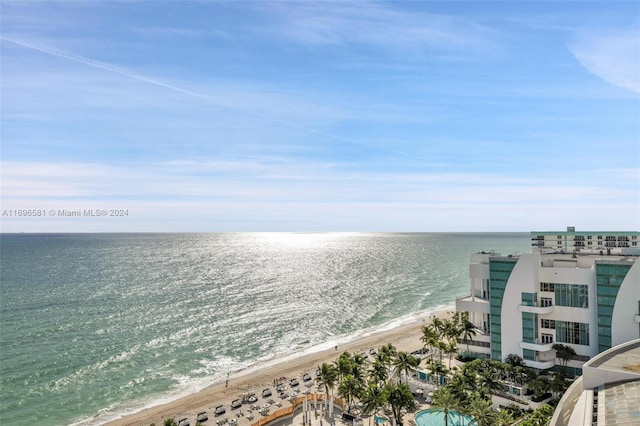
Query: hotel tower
x=580, y=289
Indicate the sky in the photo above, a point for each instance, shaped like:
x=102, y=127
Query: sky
x=364, y=116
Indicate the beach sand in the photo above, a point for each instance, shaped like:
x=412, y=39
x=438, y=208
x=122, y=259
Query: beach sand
x=405, y=337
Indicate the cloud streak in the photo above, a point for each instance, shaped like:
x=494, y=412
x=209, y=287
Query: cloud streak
x=614, y=57
x=127, y=73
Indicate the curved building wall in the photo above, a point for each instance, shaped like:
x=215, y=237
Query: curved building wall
x=523, y=279
x=623, y=325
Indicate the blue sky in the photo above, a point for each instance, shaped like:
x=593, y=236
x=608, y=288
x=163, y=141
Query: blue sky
x=321, y=116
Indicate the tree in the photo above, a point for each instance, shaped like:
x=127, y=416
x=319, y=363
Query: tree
x=430, y=338
x=564, y=352
x=344, y=364
x=442, y=400
x=503, y=418
x=481, y=411
x=379, y=373
x=372, y=400
x=386, y=353
x=437, y=368
x=468, y=332
x=459, y=387
x=558, y=385
x=539, y=386
x=514, y=360
x=488, y=381
x=450, y=349
x=400, y=400
x=540, y=417
x=328, y=375
x=451, y=330
x=349, y=389
x=405, y=363
x=170, y=422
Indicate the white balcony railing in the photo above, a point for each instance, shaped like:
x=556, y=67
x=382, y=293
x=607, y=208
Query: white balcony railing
x=537, y=346
x=536, y=309
x=541, y=365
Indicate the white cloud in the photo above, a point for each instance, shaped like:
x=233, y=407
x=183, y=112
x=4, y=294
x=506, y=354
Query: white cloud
x=614, y=57
x=275, y=194
x=377, y=24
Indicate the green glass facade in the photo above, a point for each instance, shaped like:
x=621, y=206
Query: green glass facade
x=609, y=278
x=499, y=273
x=576, y=333
x=529, y=327
x=574, y=295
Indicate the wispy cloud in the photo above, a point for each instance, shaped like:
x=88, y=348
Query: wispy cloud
x=377, y=24
x=279, y=194
x=614, y=57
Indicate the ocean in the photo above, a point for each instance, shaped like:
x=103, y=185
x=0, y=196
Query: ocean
x=93, y=326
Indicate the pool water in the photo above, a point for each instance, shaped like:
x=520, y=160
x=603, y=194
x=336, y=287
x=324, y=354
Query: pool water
x=436, y=418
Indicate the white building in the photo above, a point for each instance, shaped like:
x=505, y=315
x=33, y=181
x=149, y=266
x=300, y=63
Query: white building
x=585, y=298
x=607, y=393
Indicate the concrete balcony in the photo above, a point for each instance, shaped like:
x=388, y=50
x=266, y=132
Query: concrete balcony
x=538, y=346
x=637, y=318
x=541, y=310
x=472, y=304
x=540, y=365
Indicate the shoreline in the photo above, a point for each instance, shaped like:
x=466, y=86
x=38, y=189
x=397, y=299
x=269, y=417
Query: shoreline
x=405, y=335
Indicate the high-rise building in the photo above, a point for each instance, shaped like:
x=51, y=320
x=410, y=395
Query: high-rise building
x=585, y=297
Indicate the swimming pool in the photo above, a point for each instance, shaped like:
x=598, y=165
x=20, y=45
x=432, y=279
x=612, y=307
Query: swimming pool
x=436, y=418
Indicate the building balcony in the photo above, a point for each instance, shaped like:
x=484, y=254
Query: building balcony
x=538, y=346
x=637, y=318
x=536, y=309
x=540, y=365
x=472, y=304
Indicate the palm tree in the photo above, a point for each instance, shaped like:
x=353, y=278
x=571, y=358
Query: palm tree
x=540, y=417
x=564, y=352
x=386, y=353
x=450, y=349
x=514, y=360
x=379, y=373
x=439, y=327
x=458, y=387
x=400, y=400
x=437, y=368
x=468, y=332
x=344, y=364
x=372, y=400
x=503, y=418
x=481, y=411
x=405, y=363
x=430, y=338
x=488, y=381
x=558, y=384
x=328, y=376
x=349, y=389
x=451, y=330
x=539, y=386
x=442, y=400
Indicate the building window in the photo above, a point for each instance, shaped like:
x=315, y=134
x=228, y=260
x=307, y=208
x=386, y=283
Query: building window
x=546, y=302
x=546, y=287
x=547, y=323
x=573, y=295
x=576, y=333
x=547, y=338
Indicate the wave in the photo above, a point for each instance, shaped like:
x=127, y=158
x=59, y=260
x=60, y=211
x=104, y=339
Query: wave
x=187, y=385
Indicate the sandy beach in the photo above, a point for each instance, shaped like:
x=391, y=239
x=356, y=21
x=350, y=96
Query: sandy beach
x=405, y=337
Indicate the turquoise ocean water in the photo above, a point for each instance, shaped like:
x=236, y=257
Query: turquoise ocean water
x=96, y=325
